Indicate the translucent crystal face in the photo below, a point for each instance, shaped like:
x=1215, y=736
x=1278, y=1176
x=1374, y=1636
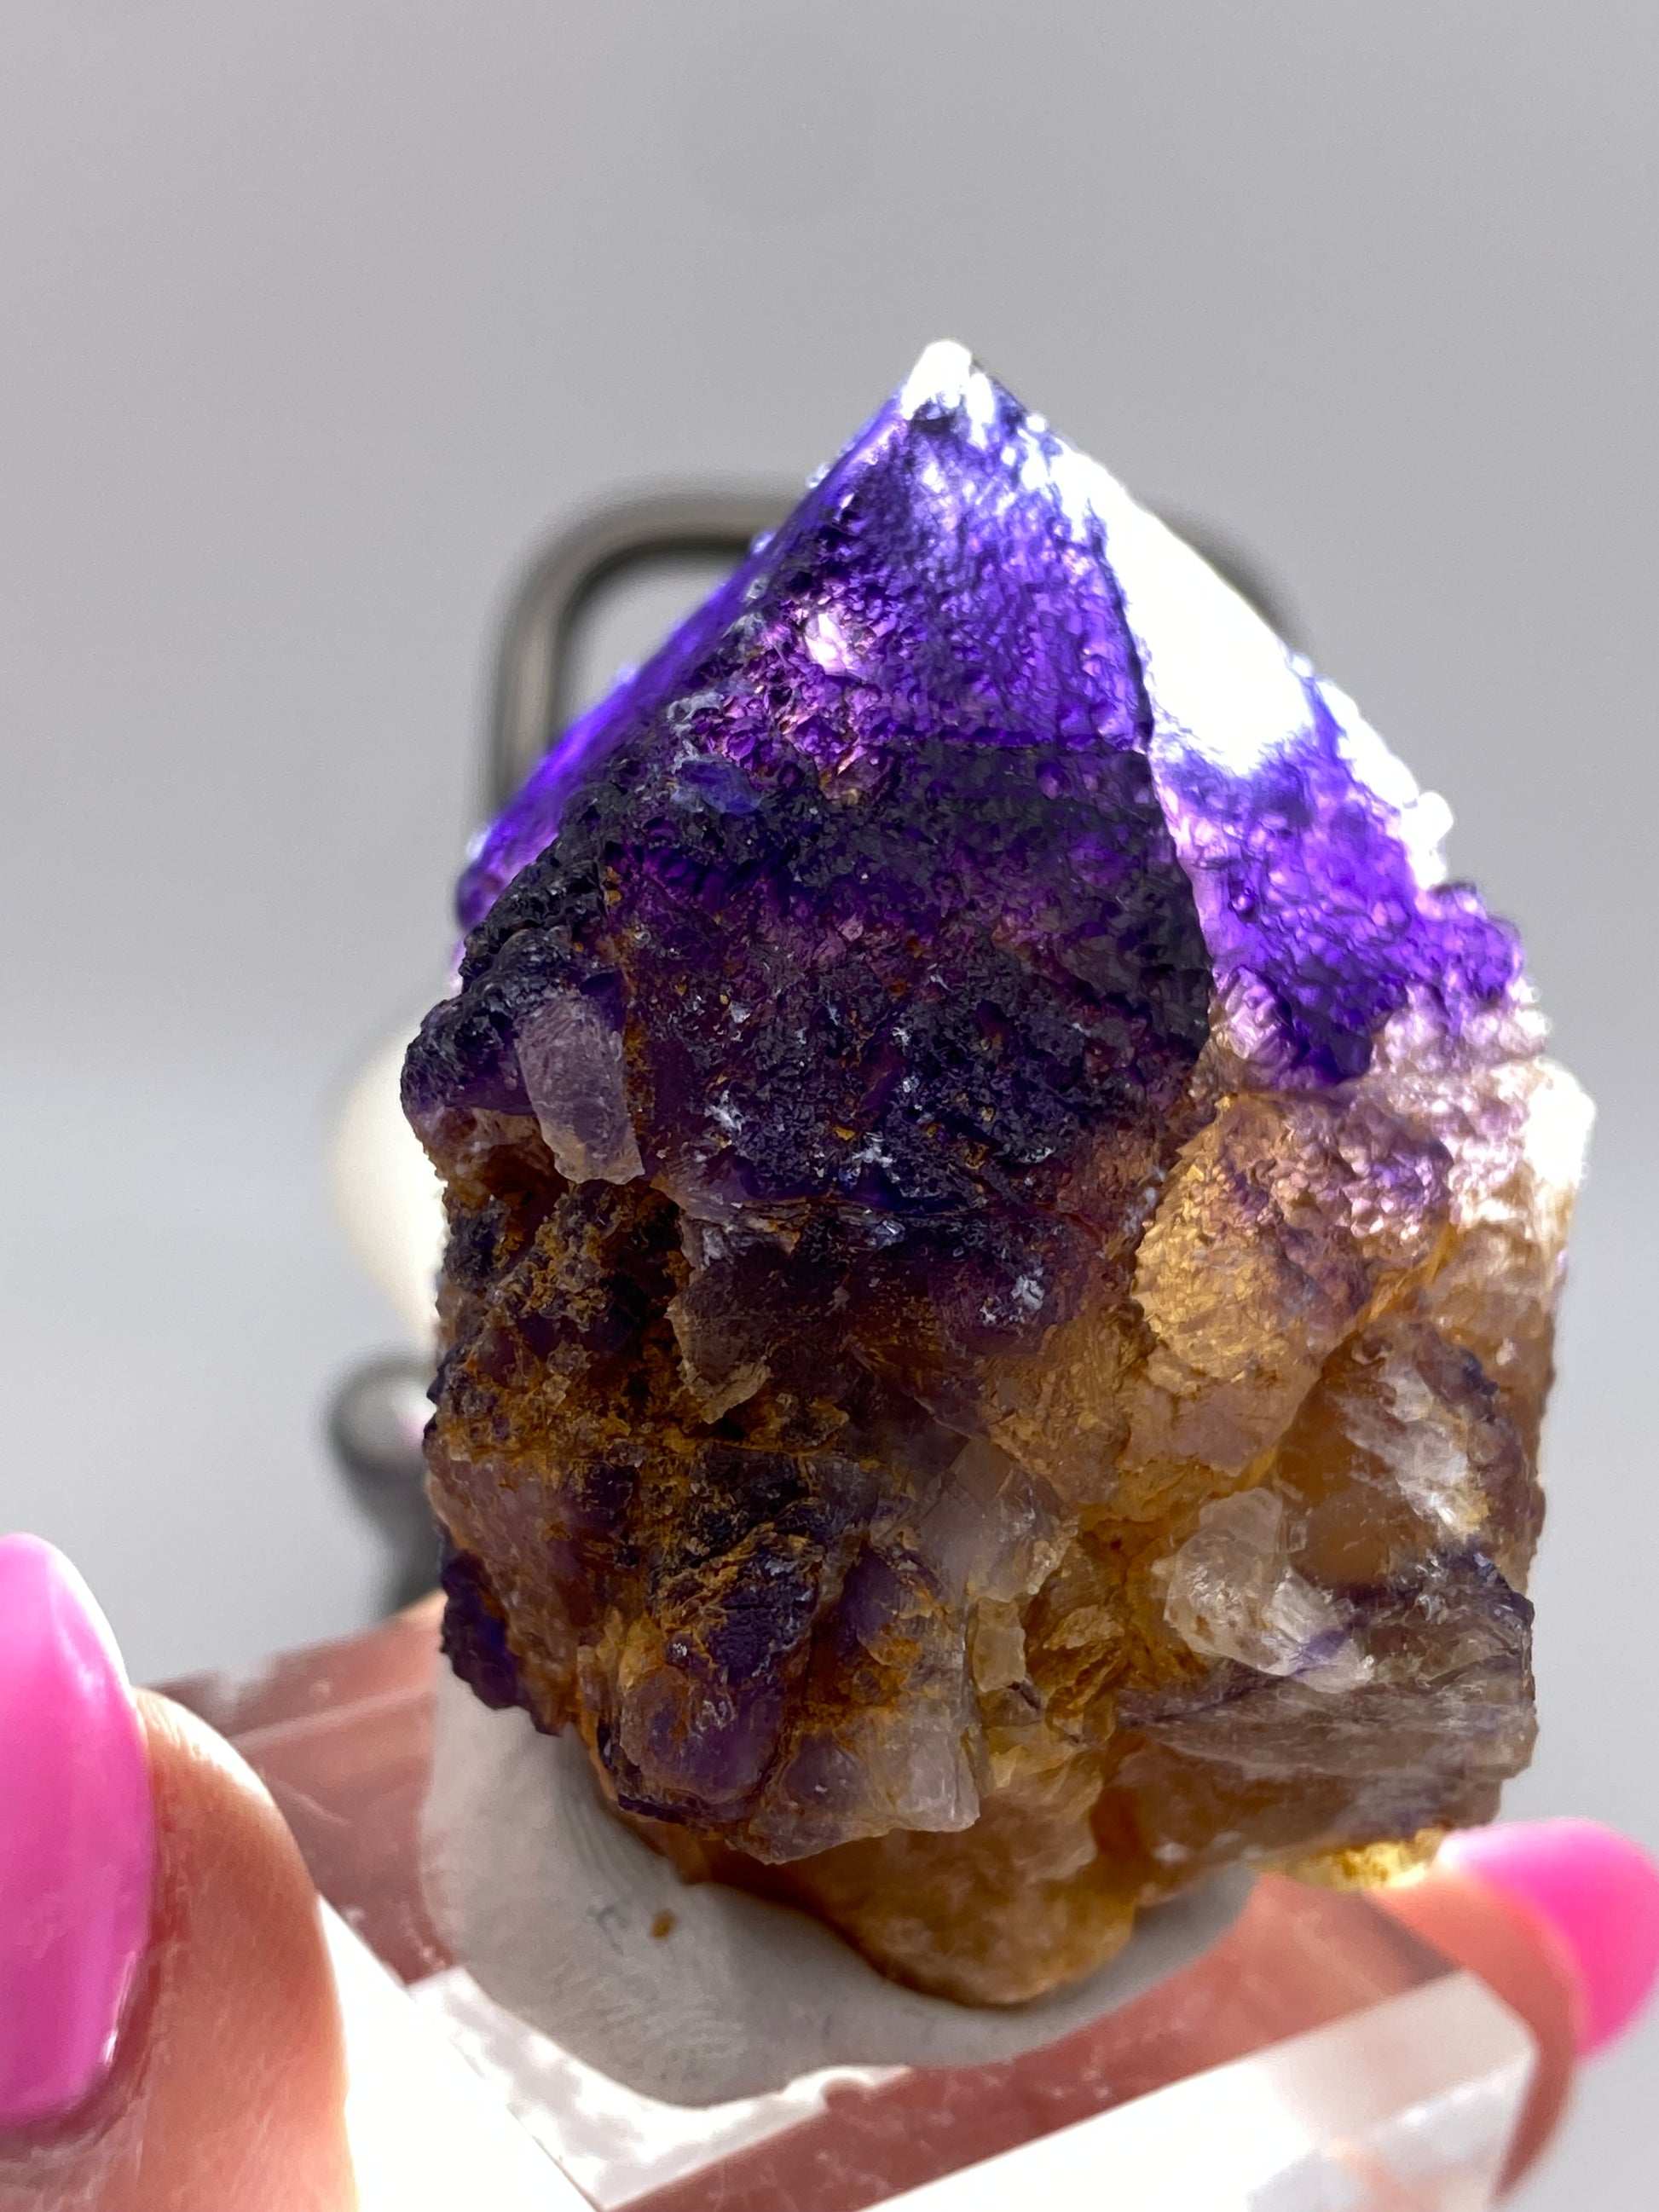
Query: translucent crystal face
x=1005, y=1227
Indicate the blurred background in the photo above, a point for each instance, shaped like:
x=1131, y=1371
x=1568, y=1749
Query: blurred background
x=317, y=315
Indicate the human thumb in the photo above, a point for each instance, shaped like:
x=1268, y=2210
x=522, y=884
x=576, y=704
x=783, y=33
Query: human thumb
x=170, y=2040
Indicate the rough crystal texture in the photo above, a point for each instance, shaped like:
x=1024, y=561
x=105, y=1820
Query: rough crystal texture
x=1004, y=1230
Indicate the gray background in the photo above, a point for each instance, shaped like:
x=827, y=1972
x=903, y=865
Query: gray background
x=314, y=314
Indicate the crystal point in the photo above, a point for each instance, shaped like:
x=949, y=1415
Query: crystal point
x=1005, y=1224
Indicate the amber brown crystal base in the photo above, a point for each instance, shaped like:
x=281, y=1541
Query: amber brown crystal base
x=1314, y=1995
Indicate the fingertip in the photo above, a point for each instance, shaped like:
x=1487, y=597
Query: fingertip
x=1595, y=1894
x=76, y=1838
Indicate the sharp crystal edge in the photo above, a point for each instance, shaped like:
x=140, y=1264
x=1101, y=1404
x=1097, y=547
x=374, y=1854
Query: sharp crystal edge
x=1004, y=1223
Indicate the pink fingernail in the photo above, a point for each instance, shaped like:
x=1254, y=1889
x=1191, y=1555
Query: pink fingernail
x=1598, y=1894
x=78, y=1837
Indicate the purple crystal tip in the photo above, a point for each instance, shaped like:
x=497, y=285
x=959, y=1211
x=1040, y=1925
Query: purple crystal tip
x=962, y=572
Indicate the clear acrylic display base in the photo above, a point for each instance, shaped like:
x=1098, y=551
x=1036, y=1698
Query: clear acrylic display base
x=1318, y=2059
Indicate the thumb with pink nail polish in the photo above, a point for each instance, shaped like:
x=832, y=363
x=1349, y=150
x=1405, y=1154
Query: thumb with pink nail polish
x=77, y=1837
x=169, y=2033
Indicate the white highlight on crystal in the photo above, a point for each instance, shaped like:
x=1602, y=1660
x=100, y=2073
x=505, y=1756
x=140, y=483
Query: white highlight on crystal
x=1222, y=685
x=1560, y=1116
x=825, y=640
x=941, y=377
x=1425, y=818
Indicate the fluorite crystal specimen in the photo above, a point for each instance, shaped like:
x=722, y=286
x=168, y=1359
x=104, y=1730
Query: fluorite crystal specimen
x=1004, y=1228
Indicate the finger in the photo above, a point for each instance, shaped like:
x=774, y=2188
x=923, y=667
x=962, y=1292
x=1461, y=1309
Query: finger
x=1560, y=1918
x=169, y=2033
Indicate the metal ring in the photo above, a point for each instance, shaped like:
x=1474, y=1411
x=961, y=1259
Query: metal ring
x=532, y=694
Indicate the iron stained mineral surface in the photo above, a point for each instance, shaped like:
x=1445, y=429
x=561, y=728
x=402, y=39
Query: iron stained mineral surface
x=1004, y=1226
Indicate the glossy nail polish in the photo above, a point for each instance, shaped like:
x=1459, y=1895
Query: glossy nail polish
x=1595, y=1892
x=78, y=1837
